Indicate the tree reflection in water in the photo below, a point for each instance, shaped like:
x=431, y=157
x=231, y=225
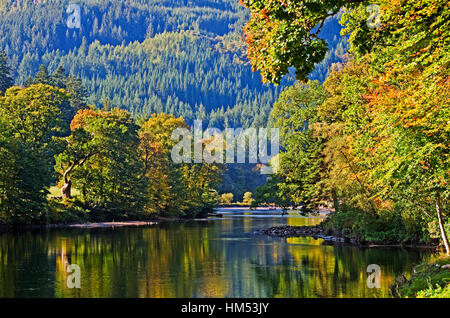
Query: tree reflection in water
x=216, y=258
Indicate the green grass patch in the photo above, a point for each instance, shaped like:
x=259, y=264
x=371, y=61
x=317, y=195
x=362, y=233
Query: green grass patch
x=56, y=192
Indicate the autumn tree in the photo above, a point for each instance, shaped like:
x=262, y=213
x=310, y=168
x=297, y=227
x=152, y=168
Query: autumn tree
x=226, y=198
x=30, y=119
x=164, y=187
x=81, y=145
x=283, y=34
x=102, y=161
x=183, y=189
x=247, y=198
x=409, y=104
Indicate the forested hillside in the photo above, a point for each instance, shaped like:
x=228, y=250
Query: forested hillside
x=186, y=58
x=182, y=57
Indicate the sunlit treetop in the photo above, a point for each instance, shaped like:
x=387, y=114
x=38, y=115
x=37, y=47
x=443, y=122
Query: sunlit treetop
x=284, y=33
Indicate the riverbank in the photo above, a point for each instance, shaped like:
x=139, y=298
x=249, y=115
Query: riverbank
x=72, y=220
x=318, y=232
x=92, y=225
x=429, y=280
x=88, y=225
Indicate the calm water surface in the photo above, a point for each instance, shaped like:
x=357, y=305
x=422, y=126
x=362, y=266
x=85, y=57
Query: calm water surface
x=214, y=258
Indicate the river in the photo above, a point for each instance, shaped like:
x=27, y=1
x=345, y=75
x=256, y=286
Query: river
x=205, y=258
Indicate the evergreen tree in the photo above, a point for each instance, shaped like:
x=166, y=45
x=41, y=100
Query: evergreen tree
x=6, y=80
x=59, y=77
x=42, y=77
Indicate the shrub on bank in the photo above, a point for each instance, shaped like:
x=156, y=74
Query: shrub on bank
x=388, y=227
x=435, y=292
x=65, y=212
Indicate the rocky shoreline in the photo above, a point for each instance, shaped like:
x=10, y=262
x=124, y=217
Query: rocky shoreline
x=330, y=237
x=317, y=232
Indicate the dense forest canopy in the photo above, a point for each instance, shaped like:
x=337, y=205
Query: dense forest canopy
x=182, y=57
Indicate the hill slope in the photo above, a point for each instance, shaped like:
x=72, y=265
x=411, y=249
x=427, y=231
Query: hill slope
x=178, y=56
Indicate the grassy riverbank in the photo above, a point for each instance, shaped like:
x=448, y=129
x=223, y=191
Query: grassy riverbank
x=60, y=212
x=430, y=280
x=76, y=213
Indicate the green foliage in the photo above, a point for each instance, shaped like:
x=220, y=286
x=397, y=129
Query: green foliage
x=271, y=194
x=301, y=161
x=72, y=85
x=435, y=292
x=284, y=34
x=199, y=181
x=109, y=173
x=30, y=117
x=42, y=77
x=361, y=36
x=389, y=228
x=66, y=212
x=428, y=281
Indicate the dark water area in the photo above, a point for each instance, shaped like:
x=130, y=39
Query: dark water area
x=205, y=258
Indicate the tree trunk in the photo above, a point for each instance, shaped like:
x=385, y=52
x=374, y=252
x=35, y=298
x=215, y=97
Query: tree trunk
x=441, y=224
x=66, y=190
x=335, y=200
